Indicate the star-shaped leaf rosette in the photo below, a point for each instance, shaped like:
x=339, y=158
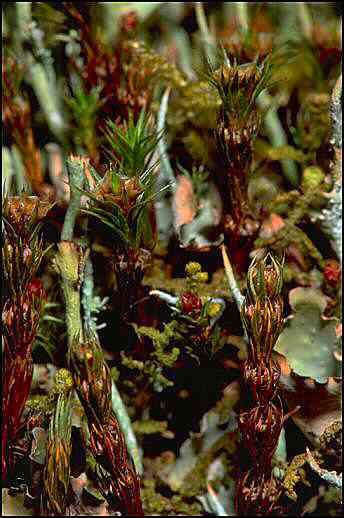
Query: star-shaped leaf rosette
x=123, y=201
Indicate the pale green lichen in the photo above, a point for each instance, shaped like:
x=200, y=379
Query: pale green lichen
x=331, y=433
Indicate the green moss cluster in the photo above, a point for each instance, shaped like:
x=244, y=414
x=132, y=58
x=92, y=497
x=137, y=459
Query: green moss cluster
x=163, y=355
x=156, y=504
x=40, y=404
x=149, y=427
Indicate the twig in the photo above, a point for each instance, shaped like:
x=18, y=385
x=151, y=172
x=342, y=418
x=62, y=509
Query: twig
x=165, y=297
x=125, y=424
x=166, y=178
x=41, y=77
x=165, y=166
x=19, y=172
x=182, y=42
x=233, y=286
x=207, y=37
x=7, y=170
x=242, y=15
x=69, y=262
x=76, y=182
x=87, y=296
x=215, y=503
x=305, y=19
x=4, y=26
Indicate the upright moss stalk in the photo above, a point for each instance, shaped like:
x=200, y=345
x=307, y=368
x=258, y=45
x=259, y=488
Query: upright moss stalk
x=238, y=123
x=272, y=123
x=117, y=479
x=123, y=203
x=261, y=416
x=24, y=295
x=69, y=262
x=57, y=469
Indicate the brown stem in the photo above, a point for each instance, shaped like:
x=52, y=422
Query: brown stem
x=261, y=416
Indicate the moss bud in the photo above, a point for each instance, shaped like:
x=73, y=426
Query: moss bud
x=312, y=177
x=201, y=277
x=193, y=268
x=213, y=309
x=63, y=381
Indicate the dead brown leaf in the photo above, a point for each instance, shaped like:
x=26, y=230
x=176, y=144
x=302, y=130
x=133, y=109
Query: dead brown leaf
x=184, y=205
x=320, y=402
